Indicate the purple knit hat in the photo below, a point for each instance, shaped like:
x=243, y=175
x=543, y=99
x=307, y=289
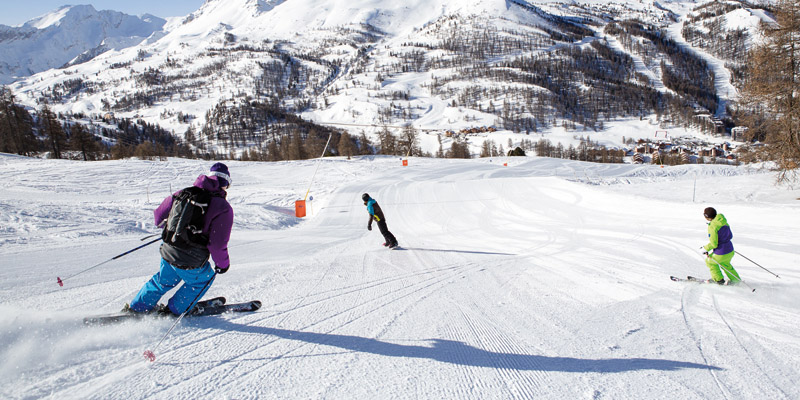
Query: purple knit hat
x=220, y=170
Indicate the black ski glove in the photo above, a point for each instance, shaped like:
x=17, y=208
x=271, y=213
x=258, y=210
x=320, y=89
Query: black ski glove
x=221, y=271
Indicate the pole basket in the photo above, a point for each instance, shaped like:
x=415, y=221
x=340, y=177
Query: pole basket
x=405, y=163
x=300, y=208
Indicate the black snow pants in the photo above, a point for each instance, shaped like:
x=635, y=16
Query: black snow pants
x=390, y=239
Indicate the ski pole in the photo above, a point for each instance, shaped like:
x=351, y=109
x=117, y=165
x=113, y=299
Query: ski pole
x=776, y=275
x=149, y=354
x=61, y=281
x=730, y=273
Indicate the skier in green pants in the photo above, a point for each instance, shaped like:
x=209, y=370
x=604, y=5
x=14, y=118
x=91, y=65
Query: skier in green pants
x=719, y=250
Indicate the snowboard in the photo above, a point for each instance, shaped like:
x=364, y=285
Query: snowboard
x=213, y=306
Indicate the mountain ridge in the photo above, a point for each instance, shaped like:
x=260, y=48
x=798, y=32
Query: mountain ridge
x=521, y=66
x=55, y=39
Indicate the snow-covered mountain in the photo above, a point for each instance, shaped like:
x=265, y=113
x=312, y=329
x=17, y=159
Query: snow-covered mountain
x=436, y=65
x=70, y=34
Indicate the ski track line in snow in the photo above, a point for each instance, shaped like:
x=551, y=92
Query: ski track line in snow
x=447, y=274
x=97, y=384
x=417, y=287
x=316, y=285
x=356, y=288
x=696, y=340
x=524, y=384
x=391, y=322
x=746, y=350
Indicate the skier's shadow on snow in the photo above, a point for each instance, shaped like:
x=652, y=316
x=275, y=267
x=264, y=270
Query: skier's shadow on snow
x=457, y=251
x=455, y=352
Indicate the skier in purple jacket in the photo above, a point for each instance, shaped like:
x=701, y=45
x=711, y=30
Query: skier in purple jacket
x=190, y=263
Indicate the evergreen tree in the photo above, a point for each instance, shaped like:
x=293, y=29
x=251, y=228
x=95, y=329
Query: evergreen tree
x=388, y=142
x=459, y=149
x=52, y=130
x=145, y=151
x=294, y=147
x=189, y=136
x=16, y=126
x=347, y=148
x=273, y=151
x=121, y=150
x=364, y=145
x=486, y=148
x=517, y=152
x=314, y=145
x=410, y=145
x=84, y=142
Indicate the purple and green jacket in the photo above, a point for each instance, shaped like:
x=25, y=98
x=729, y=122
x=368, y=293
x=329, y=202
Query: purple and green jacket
x=218, y=221
x=719, y=236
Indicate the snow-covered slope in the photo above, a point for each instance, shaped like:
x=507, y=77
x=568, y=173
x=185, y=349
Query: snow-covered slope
x=543, y=279
x=57, y=38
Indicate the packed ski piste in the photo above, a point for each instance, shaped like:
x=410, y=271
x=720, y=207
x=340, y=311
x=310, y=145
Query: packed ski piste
x=518, y=277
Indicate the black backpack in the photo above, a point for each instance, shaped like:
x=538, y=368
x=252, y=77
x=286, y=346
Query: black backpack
x=186, y=219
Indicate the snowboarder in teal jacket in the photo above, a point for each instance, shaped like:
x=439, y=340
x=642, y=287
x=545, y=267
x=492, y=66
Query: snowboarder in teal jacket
x=376, y=214
x=719, y=250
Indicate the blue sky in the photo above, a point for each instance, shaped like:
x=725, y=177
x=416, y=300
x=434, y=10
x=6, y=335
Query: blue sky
x=16, y=12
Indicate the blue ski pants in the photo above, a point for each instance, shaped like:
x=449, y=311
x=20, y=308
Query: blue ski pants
x=193, y=288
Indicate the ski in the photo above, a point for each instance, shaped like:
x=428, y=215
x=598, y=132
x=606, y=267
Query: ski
x=687, y=279
x=248, y=306
x=106, y=319
x=121, y=316
x=216, y=301
x=691, y=279
x=704, y=281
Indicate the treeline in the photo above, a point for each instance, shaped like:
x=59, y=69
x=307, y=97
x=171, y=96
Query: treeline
x=22, y=133
x=586, y=150
x=685, y=73
x=726, y=44
x=712, y=10
x=587, y=86
x=584, y=85
x=268, y=133
x=714, y=37
x=16, y=127
x=77, y=136
x=769, y=105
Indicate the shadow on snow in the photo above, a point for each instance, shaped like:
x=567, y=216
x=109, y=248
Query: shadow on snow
x=457, y=251
x=455, y=352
